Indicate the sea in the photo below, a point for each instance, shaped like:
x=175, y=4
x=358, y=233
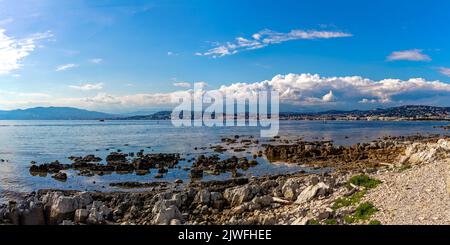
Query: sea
x=45, y=141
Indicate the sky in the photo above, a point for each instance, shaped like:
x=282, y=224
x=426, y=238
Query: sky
x=123, y=55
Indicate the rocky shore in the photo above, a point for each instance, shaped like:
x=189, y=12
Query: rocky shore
x=395, y=180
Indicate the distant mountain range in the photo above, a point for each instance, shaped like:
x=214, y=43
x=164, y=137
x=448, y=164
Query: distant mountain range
x=53, y=113
x=69, y=113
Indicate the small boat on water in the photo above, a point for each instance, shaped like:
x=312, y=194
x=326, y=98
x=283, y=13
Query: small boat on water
x=101, y=120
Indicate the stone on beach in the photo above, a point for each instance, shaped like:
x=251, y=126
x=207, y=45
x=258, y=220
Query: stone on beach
x=312, y=191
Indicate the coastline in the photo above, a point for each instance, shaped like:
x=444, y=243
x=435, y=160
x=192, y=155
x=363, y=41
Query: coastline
x=354, y=193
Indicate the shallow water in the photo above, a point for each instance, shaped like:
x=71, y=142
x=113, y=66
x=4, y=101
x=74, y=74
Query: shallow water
x=46, y=141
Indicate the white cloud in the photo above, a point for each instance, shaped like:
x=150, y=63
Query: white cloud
x=328, y=97
x=182, y=84
x=96, y=61
x=411, y=55
x=304, y=91
x=268, y=37
x=88, y=86
x=309, y=89
x=65, y=67
x=367, y=101
x=170, y=53
x=13, y=50
x=445, y=71
x=201, y=85
x=6, y=21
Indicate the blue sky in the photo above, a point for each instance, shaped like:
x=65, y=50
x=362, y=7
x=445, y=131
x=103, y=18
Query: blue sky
x=127, y=55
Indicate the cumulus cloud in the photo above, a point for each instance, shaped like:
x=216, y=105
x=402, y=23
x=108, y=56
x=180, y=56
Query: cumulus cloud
x=410, y=55
x=300, y=91
x=268, y=37
x=65, y=67
x=328, y=97
x=14, y=50
x=367, y=101
x=87, y=86
x=309, y=90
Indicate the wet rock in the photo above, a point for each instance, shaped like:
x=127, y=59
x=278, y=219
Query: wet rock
x=60, y=176
x=116, y=158
x=196, y=173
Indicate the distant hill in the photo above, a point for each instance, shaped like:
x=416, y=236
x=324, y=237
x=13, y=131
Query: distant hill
x=53, y=113
x=407, y=111
x=162, y=115
x=70, y=113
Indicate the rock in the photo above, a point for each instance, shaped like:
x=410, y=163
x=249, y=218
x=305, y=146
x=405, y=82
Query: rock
x=217, y=200
x=95, y=217
x=301, y=221
x=63, y=208
x=81, y=215
x=196, y=173
x=267, y=220
x=418, y=153
x=116, y=158
x=99, y=213
x=60, y=176
x=314, y=180
x=289, y=189
x=324, y=215
x=175, y=222
x=34, y=215
x=85, y=199
x=238, y=195
x=165, y=215
x=263, y=201
x=203, y=197
x=312, y=191
x=67, y=222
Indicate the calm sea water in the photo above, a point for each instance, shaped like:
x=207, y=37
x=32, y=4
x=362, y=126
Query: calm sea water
x=46, y=141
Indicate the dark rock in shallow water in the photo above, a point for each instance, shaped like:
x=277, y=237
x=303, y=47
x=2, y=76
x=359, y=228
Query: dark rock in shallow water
x=116, y=162
x=196, y=173
x=115, y=158
x=60, y=176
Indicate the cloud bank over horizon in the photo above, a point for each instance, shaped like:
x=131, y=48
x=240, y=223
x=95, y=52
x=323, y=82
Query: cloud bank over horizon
x=298, y=92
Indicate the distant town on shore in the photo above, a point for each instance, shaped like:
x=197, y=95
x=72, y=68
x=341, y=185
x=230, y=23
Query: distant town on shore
x=400, y=113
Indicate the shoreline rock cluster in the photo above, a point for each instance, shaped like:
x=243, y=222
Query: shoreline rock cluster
x=118, y=162
x=358, y=156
